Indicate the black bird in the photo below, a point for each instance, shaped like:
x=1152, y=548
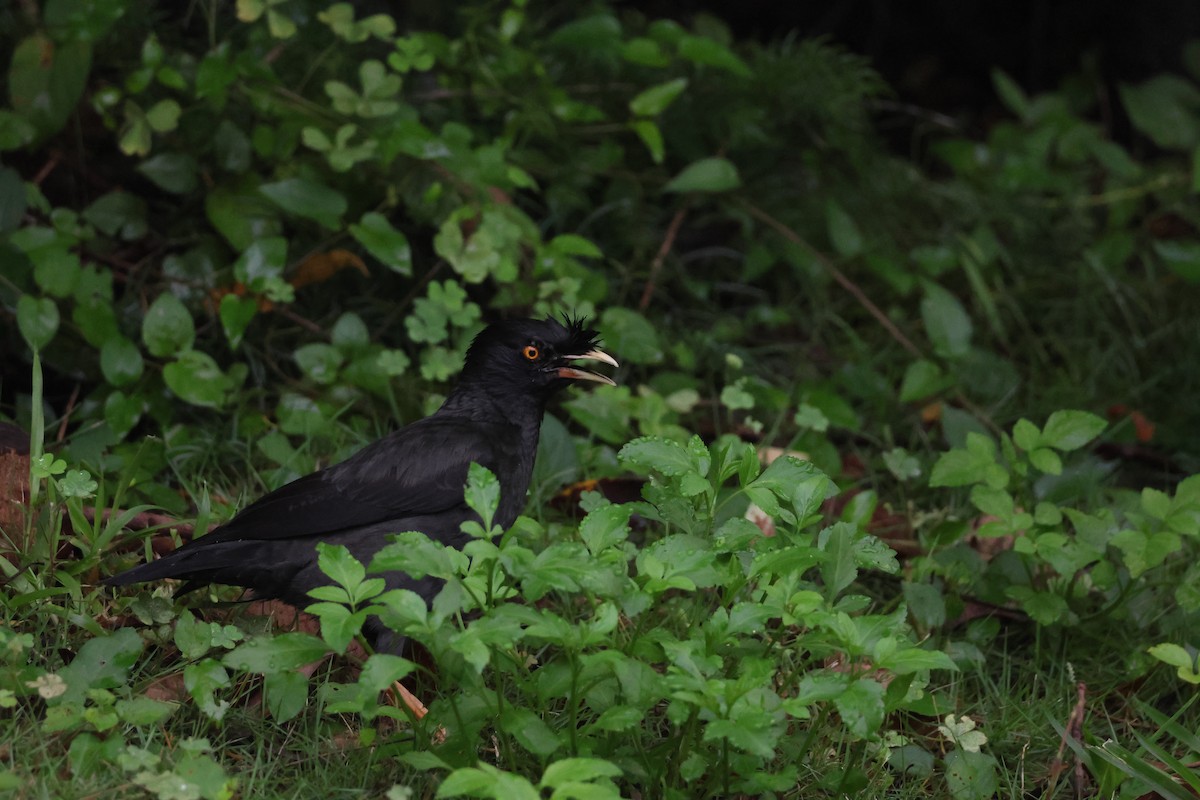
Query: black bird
x=412, y=479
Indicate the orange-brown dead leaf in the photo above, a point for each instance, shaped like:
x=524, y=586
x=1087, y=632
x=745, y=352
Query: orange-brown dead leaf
x=931, y=413
x=320, y=267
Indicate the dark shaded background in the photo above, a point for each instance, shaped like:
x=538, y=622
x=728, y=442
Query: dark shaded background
x=939, y=54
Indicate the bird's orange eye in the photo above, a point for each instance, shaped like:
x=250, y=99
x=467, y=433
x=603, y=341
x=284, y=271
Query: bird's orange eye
x=530, y=352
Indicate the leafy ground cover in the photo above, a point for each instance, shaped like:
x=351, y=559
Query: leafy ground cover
x=893, y=498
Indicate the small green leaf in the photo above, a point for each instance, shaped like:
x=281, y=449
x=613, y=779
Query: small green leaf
x=307, y=199
x=286, y=693
x=843, y=231
x=651, y=136
x=946, y=322
x=319, y=361
x=236, y=314
x=173, y=172
x=37, y=318
x=120, y=361
x=658, y=454
x=167, y=327
x=163, y=116
x=654, y=100
x=271, y=654
x=1070, y=430
x=705, y=175
x=922, y=379
x=1178, y=657
x=387, y=244
x=195, y=377
x=702, y=50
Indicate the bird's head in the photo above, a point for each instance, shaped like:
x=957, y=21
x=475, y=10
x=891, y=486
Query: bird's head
x=537, y=355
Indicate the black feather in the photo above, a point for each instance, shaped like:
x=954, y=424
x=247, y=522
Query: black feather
x=412, y=479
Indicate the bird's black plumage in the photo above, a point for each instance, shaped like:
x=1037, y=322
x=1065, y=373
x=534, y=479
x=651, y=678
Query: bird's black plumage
x=412, y=479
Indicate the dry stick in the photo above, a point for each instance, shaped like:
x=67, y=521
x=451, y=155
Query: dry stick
x=1072, y=730
x=62, y=426
x=839, y=276
x=656, y=264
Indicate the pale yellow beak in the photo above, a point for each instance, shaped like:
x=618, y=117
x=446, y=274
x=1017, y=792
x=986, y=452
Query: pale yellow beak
x=575, y=374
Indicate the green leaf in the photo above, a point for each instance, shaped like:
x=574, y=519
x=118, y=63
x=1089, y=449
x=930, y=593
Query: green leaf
x=581, y=770
x=319, y=361
x=12, y=199
x=45, y=81
x=1167, y=109
x=605, y=527
x=482, y=494
x=630, y=335
x=37, y=318
x=861, y=707
x=122, y=412
x=195, y=377
x=1178, y=657
x=307, y=199
x=654, y=100
x=922, y=379
x=102, y=663
x=270, y=654
x=971, y=776
x=236, y=314
x=705, y=175
x=173, y=172
x=286, y=693
x=1181, y=256
x=702, y=50
x=387, y=244
x=167, y=327
x=163, y=116
x=530, y=731
x=118, y=213
x=143, y=711
x=651, y=136
x=1011, y=94
x=1070, y=430
x=947, y=324
x=658, y=454
x=120, y=361
x=843, y=231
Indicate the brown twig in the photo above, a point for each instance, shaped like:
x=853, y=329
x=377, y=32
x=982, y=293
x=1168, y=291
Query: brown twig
x=839, y=276
x=663, y=249
x=303, y=322
x=47, y=168
x=62, y=426
x=1072, y=730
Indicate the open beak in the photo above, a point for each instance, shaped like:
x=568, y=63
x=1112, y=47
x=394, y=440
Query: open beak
x=576, y=374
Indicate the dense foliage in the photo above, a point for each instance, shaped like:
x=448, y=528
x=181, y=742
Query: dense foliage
x=237, y=243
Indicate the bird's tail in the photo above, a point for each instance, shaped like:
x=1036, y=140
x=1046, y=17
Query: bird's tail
x=198, y=565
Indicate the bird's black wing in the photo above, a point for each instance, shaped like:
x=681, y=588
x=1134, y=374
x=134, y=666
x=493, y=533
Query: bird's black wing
x=420, y=469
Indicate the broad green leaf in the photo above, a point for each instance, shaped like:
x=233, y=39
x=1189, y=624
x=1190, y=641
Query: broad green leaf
x=102, y=663
x=387, y=244
x=658, y=454
x=270, y=654
x=307, y=199
x=843, y=231
x=946, y=322
x=1176, y=656
x=167, y=327
x=319, y=361
x=1070, y=430
x=195, y=377
x=702, y=50
x=286, y=693
x=604, y=527
x=705, y=175
x=173, y=172
x=1181, y=256
x=120, y=361
x=578, y=770
x=37, y=318
x=1167, y=109
x=236, y=315
x=630, y=336
x=923, y=379
x=970, y=776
